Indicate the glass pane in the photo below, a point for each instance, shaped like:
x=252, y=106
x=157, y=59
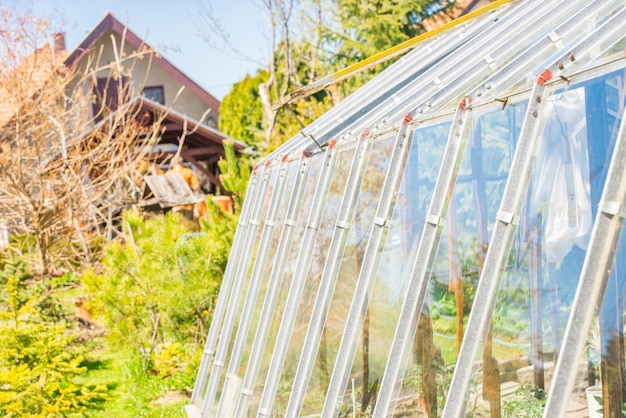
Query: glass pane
x=538, y=285
x=236, y=301
x=480, y=182
x=344, y=160
x=352, y=258
x=267, y=268
x=313, y=174
x=376, y=335
x=605, y=354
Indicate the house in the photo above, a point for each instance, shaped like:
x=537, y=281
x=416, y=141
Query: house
x=159, y=88
x=112, y=85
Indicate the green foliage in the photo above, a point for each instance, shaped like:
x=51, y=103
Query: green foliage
x=288, y=122
x=368, y=27
x=526, y=402
x=241, y=112
x=443, y=377
x=39, y=361
x=159, y=287
x=234, y=177
x=326, y=36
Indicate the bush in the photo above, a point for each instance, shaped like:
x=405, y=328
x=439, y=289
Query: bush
x=157, y=289
x=39, y=361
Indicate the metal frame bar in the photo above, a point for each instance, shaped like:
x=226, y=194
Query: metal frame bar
x=224, y=293
x=297, y=284
x=514, y=194
x=237, y=291
x=425, y=55
x=430, y=236
x=489, y=56
x=565, y=34
x=504, y=229
x=383, y=56
x=349, y=114
x=271, y=296
x=417, y=286
x=345, y=218
x=371, y=257
x=434, y=87
x=232, y=383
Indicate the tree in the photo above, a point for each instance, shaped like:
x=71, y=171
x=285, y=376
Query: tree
x=39, y=361
x=62, y=175
x=156, y=290
x=241, y=112
x=309, y=39
x=363, y=28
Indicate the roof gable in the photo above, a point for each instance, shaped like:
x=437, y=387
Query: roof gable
x=110, y=23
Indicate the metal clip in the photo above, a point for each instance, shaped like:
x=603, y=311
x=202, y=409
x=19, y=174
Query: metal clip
x=490, y=62
x=611, y=208
x=433, y=220
x=438, y=83
x=380, y=221
x=506, y=217
x=556, y=40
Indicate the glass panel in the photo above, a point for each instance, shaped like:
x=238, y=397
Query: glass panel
x=377, y=332
x=352, y=258
x=314, y=170
x=344, y=160
x=541, y=274
x=605, y=345
x=236, y=301
x=277, y=220
x=479, y=186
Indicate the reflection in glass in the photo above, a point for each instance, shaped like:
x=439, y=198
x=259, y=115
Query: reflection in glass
x=240, y=289
x=322, y=242
x=542, y=271
x=299, y=227
x=480, y=182
x=385, y=301
x=351, y=260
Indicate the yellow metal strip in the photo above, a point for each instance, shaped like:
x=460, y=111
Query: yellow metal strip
x=382, y=56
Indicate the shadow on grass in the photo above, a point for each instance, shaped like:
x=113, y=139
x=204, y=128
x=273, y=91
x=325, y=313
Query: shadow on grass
x=97, y=364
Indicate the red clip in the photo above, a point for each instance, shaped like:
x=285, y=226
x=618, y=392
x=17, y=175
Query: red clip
x=365, y=133
x=544, y=77
x=465, y=103
x=407, y=119
x=268, y=163
x=332, y=144
x=285, y=157
x=256, y=167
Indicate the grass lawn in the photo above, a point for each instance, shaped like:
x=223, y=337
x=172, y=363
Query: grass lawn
x=131, y=392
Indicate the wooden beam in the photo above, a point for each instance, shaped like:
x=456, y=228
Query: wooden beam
x=210, y=150
x=212, y=177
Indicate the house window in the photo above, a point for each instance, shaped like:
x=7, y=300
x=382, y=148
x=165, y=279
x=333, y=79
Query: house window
x=210, y=121
x=154, y=93
x=108, y=92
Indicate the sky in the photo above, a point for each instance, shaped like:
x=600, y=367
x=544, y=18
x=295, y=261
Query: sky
x=174, y=28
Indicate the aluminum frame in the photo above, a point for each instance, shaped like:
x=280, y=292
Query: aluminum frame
x=515, y=192
x=426, y=95
x=297, y=284
x=594, y=276
x=223, y=296
x=274, y=283
x=237, y=290
x=233, y=382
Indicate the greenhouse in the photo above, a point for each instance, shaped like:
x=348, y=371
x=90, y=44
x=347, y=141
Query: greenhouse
x=446, y=240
